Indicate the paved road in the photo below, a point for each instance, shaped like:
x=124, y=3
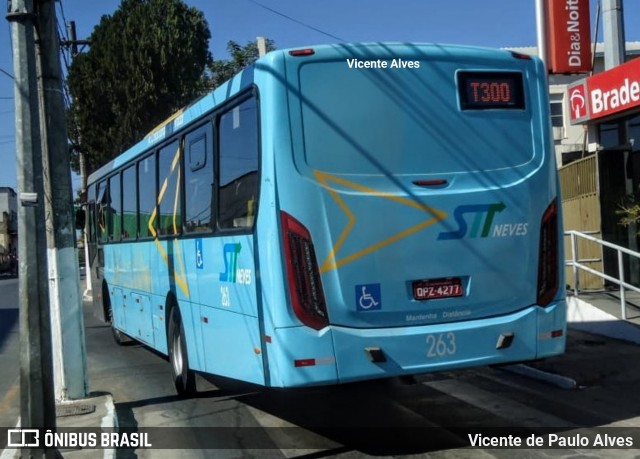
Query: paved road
x=377, y=418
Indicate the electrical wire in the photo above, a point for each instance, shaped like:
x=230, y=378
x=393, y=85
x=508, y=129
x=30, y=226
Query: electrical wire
x=63, y=35
x=297, y=21
x=7, y=73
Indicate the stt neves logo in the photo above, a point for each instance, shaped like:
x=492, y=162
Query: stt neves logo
x=23, y=438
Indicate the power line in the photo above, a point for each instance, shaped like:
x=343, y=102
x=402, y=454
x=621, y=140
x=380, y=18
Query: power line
x=7, y=73
x=304, y=24
x=64, y=18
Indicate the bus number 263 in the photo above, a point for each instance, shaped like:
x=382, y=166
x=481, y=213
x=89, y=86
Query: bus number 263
x=441, y=344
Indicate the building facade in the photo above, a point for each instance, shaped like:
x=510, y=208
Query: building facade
x=576, y=140
x=8, y=227
x=596, y=129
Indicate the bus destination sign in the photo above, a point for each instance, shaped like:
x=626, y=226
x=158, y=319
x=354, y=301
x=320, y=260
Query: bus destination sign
x=490, y=90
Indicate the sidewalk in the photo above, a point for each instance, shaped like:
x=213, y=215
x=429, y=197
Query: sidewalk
x=96, y=412
x=600, y=313
x=592, y=359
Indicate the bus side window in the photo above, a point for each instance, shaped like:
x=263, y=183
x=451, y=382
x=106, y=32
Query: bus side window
x=129, y=203
x=91, y=213
x=238, y=143
x=198, y=180
x=146, y=194
x=103, y=211
x=114, y=222
x=169, y=220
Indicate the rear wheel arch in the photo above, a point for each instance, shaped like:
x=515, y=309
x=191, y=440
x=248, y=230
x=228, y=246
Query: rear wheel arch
x=184, y=379
x=106, y=302
x=170, y=303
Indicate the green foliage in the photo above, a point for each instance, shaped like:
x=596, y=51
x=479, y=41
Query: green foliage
x=241, y=57
x=629, y=210
x=146, y=61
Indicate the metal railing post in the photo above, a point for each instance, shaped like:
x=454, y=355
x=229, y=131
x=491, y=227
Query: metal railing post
x=623, y=300
x=574, y=254
x=577, y=264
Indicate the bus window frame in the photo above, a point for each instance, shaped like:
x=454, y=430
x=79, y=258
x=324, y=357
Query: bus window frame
x=177, y=139
x=213, y=118
x=250, y=93
x=209, y=123
x=138, y=162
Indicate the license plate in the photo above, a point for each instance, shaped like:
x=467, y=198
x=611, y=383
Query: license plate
x=431, y=289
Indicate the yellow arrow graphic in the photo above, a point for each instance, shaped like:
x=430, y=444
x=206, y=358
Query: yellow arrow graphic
x=332, y=261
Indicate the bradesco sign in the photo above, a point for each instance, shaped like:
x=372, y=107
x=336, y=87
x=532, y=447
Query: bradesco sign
x=607, y=93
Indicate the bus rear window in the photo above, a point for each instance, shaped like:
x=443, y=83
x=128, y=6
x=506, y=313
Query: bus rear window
x=406, y=121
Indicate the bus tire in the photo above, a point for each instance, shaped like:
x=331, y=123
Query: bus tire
x=184, y=379
x=119, y=337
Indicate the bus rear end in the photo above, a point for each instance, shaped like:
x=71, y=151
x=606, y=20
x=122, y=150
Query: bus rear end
x=419, y=214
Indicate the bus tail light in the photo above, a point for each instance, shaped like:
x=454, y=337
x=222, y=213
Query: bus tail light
x=302, y=52
x=305, y=286
x=548, y=256
x=522, y=56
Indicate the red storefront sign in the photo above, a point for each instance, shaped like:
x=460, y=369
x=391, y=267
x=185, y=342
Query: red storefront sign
x=607, y=93
x=569, y=34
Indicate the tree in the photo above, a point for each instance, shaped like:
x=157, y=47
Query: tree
x=145, y=62
x=241, y=57
x=629, y=210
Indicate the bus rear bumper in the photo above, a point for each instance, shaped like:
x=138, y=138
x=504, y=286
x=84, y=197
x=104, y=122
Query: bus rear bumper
x=300, y=356
x=528, y=334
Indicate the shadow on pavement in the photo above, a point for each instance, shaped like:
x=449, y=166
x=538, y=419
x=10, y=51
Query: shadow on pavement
x=8, y=324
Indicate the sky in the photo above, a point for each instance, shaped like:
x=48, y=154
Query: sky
x=297, y=23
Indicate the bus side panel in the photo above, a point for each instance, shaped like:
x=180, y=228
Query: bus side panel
x=134, y=309
x=302, y=357
x=232, y=345
x=118, y=309
x=283, y=339
x=552, y=319
x=228, y=313
x=190, y=297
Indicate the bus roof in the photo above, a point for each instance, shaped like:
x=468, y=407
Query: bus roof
x=179, y=120
x=245, y=79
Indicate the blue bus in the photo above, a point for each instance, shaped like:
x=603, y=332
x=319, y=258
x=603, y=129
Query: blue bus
x=339, y=213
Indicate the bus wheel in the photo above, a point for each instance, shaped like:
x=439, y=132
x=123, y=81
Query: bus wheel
x=184, y=379
x=119, y=337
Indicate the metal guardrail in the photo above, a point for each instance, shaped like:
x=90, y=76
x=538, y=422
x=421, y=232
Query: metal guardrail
x=576, y=263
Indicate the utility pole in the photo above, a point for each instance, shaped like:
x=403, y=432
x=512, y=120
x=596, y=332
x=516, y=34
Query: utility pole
x=541, y=30
x=615, y=55
x=70, y=374
x=74, y=42
x=262, y=46
x=613, y=31
x=37, y=404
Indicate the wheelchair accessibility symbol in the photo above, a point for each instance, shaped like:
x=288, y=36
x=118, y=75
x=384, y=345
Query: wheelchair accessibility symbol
x=368, y=297
x=199, y=256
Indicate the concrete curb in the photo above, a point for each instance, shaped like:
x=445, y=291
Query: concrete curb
x=95, y=411
x=563, y=382
x=103, y=418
